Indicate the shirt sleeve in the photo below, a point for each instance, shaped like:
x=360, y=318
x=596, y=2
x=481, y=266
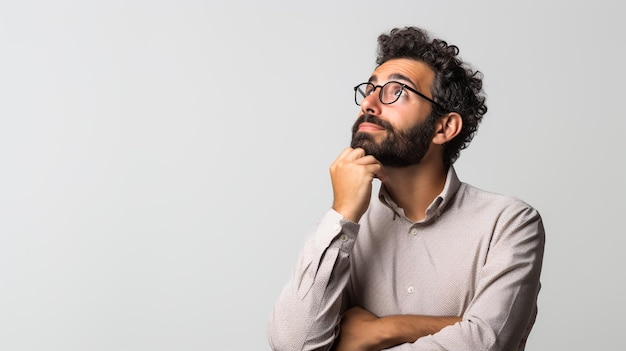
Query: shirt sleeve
x=503, y=310
x=307, y=312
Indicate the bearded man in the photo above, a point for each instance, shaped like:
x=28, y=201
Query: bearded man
x=431, y=263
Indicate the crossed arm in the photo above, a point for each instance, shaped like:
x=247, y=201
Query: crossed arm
x=363, y=331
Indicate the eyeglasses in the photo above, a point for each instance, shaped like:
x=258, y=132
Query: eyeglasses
x=389, y=93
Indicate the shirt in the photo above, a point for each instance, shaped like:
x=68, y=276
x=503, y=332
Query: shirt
x=476, y=254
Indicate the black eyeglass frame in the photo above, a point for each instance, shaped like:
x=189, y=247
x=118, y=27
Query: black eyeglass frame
x=380, y=93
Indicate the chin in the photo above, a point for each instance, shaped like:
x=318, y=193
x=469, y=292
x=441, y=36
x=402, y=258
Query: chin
x=364, y=141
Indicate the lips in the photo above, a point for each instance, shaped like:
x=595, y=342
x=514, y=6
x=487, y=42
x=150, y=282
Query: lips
x=369, y=127
x=370, y=123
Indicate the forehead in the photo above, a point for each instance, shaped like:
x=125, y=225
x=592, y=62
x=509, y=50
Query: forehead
x=416, y=72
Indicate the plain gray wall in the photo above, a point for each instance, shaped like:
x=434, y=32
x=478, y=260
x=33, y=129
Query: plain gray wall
x=163, y=161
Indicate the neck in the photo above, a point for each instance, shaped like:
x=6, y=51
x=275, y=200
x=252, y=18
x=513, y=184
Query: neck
x=414, y=188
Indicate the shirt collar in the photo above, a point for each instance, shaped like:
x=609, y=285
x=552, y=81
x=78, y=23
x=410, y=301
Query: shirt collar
x=437, y=206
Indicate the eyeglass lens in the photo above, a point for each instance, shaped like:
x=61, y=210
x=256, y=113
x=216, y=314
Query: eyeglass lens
x=390, y=92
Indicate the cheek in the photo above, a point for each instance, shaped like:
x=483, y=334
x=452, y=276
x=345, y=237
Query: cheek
x=404, y=120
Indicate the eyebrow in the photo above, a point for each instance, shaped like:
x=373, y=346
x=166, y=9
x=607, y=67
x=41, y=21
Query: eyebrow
x=395, y=76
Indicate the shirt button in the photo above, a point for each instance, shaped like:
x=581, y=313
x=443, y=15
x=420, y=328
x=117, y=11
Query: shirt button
x=343, y=237
x=413, y=231
x=410, y=289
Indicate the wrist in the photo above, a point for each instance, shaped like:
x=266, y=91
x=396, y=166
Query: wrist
x=349, y=215
x=380, y=335
x=389, y=333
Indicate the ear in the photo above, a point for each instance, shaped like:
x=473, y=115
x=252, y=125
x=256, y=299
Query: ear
x=447, y=127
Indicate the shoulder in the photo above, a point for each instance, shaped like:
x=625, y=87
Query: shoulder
x=476, y=197
x=504, y=211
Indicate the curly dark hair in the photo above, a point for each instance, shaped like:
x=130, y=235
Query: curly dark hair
x=456, y=86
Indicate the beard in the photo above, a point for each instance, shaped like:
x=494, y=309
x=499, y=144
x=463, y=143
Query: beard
x=400, y=148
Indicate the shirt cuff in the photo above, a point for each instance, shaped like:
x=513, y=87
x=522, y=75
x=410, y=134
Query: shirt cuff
x=334, y=230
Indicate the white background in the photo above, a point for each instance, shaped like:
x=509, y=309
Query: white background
x=163, y=161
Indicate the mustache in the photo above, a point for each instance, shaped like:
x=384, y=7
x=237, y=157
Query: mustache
x=371, y=119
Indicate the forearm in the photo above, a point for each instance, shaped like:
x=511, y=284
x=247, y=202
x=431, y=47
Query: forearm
x=308, y=309
x=361, y=330
x=400, y=329
x=307, y=321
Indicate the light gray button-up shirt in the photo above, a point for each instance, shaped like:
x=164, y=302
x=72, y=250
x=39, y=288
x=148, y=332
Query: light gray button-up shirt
x=477, y=255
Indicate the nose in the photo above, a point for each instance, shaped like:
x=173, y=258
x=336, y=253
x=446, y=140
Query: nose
x=371, y=104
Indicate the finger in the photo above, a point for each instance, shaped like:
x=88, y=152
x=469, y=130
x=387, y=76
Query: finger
x=344, y=153
x=367, y=159
x=355, y=154
x=373, y=169
x=350, y=154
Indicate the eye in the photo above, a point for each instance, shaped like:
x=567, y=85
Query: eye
x=369, y=89
x=395, y=90
x=398, y=91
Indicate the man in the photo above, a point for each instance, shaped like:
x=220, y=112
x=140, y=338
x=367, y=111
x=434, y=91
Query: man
x=431, y=263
